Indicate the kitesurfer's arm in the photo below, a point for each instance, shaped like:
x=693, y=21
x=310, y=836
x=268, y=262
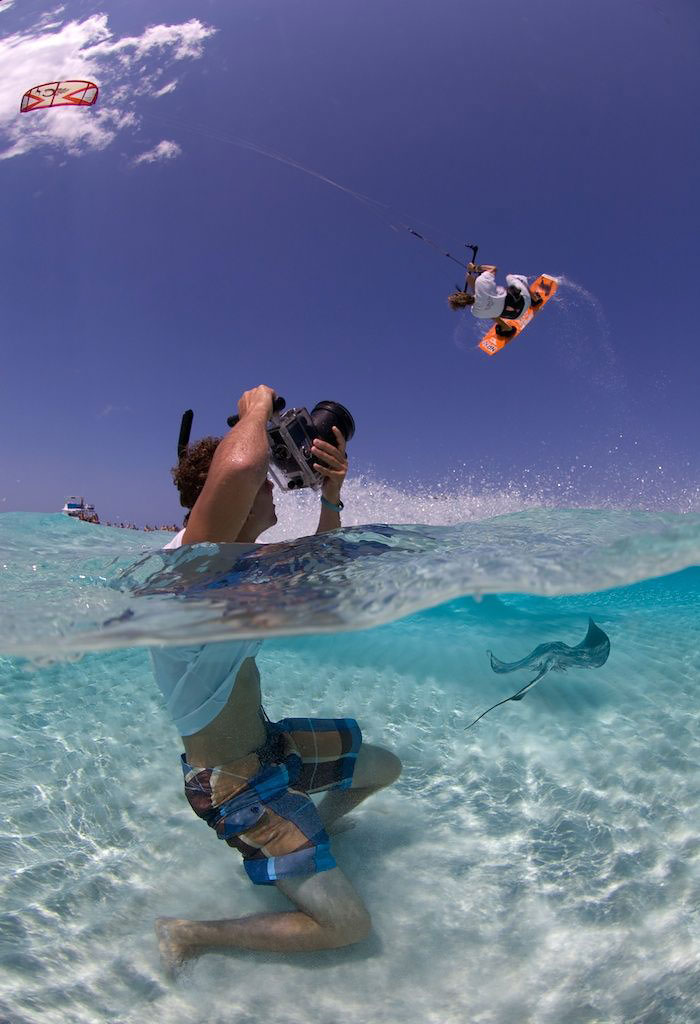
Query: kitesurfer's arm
x=471, y=278
x=333, y=465
x=473, y=271
x=236, y=474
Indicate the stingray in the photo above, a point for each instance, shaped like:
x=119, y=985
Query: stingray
x=592, y=652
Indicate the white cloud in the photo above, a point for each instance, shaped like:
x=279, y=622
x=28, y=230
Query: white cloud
x=125, y=69
x=185, y=40
x=165, y=150
x=170, y=87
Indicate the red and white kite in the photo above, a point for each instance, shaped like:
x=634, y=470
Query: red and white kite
x=59, y=94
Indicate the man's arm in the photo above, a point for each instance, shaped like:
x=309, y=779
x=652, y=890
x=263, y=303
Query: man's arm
x=237, y=472
x=473, y=272
x=333, y=465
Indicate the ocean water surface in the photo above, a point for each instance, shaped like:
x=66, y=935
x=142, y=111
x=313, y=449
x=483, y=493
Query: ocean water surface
x=541, y=866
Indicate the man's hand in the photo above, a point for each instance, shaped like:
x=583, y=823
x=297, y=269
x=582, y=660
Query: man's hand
x=258, y=400
x=332, y=463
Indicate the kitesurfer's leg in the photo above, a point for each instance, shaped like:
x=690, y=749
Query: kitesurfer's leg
x=328, y=914
x=375, y=768
x=519, y=283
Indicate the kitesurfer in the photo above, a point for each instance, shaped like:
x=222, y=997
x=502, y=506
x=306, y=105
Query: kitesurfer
x=490, y=301
x=250, y=779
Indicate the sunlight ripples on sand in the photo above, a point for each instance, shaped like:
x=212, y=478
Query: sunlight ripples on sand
x=544, y=866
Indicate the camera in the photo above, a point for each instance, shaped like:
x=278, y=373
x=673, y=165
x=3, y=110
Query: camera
x=290, y=435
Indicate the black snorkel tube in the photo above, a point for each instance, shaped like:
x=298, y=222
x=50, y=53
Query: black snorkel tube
x=186, y=426
x=185, y=431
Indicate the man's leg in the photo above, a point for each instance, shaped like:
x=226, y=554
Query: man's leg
x=329, y=914
x=375, y=768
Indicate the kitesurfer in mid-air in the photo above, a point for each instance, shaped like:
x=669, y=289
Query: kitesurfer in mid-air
x=490, y=301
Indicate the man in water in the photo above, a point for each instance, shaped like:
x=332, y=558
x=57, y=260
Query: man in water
x=247, y=777
x=490, y=301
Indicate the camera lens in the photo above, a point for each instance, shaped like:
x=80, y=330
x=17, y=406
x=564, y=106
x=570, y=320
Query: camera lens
x=327, y=415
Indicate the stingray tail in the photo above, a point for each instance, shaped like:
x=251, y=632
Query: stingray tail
x=518, y=695
x=523, y=689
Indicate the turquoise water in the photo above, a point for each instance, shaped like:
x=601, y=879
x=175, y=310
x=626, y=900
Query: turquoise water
x=543, y=866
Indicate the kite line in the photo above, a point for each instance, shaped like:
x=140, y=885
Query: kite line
x=376, y=207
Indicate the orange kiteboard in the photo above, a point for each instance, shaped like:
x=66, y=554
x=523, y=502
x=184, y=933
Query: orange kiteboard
x=545, y=286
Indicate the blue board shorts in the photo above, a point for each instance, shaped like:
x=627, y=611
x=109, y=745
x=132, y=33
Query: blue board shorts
x=260, y=803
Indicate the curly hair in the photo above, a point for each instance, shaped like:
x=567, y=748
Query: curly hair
x=459, y=300
x=191, y=471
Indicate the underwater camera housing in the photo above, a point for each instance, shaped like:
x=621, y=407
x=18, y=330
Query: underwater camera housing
x=290, y=435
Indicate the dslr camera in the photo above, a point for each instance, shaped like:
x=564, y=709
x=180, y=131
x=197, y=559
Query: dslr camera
x=290, y=435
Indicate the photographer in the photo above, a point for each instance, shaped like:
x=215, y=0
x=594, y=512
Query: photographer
x=247, y=777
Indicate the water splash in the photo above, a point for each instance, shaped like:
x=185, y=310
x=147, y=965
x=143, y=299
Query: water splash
x=586, y=338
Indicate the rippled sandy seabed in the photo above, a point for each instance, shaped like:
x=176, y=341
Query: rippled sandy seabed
x=543, y=866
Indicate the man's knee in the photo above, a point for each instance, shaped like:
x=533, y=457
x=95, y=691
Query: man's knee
x=331, y=901
x=376, y=767
x=392, y=766
x=353, y=926
x=343, y=921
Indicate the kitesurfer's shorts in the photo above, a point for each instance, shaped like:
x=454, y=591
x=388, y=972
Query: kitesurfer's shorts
x=518, y=287
x=260, y=803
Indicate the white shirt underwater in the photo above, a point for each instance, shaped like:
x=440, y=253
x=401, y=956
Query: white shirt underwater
x=196, y=681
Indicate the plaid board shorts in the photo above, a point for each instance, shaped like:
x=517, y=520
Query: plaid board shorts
x=260, y=803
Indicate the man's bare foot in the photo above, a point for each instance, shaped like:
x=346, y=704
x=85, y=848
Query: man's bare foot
x=173, y=948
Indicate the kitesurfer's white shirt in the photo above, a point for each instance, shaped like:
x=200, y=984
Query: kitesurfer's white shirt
x=196, y=681
x=489, y=297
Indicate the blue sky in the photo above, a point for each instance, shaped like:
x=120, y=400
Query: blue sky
x=149, y=263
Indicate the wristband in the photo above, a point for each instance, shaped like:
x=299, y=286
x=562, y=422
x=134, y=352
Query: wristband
x=329, y=504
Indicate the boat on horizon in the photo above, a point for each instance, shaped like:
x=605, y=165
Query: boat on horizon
x=78, y=508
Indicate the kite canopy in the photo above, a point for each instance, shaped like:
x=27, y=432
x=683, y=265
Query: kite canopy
x=75, y=93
